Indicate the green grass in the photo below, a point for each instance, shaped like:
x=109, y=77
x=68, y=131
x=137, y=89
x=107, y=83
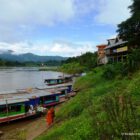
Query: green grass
x=103, y=109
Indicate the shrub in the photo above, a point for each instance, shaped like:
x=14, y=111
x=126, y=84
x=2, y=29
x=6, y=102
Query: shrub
x=109, y=72
x=72, y=68
x=116, y=115
x=134, y=60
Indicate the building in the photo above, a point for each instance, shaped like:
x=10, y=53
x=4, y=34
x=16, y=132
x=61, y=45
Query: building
x=116, y=50
x=102, y=59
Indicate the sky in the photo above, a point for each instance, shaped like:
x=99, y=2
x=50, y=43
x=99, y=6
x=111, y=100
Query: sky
x=59, y=27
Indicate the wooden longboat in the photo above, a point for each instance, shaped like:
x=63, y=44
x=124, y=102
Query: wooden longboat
x=16, y=106
x=57, y=86
x=65, y=90
x=58, y=80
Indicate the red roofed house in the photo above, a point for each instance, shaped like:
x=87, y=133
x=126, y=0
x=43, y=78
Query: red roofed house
x=102, y=59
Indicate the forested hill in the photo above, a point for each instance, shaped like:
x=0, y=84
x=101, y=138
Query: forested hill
x=28, y=57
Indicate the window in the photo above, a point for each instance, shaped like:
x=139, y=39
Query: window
x=63, y=92
x=53, y=82
x=3, y=109
x=48, y=98
x=41, y=100
x=59, y=81
x=14, y=108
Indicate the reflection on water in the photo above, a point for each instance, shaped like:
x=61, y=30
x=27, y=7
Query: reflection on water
x=21, y=78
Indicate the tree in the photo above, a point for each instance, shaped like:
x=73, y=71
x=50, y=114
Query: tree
x=130, y=29
x=87, y=60
x=2, y=62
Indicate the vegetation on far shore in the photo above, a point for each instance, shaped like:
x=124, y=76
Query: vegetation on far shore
x=6, y=63
x=79, y=64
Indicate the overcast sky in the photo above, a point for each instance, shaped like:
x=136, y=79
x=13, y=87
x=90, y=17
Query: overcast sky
x=59, y=27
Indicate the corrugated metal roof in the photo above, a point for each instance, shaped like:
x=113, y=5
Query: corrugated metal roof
x=34, y=94
x=15, y=96
x=8, y=92
x=11, y=101
x=120, y=42
x=54, y=86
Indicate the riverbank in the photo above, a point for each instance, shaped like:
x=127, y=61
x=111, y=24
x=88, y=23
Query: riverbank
x=102, y=109
x=53, y=68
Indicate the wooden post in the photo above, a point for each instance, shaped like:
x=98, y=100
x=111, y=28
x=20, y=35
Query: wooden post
x=7, y=111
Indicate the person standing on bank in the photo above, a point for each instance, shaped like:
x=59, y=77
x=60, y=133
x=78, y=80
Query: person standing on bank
x=50, y=116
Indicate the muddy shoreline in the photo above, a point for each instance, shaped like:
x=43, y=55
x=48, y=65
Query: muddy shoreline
x=25, y=129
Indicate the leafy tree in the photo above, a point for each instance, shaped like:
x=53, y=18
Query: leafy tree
x=72, y=68
x=134, y=60
x=87, y=60
x=2, y=62
x=130, y=29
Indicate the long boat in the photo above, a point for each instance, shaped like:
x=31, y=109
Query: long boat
x=12, y=109
x=58, y=80
x=24, y=103
x=65, y=90
x=16, y=106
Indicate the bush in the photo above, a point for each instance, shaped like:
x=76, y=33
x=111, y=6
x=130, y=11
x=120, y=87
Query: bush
x=72, y=68
x=109, y=72
x=134, y=60
x=116, y=115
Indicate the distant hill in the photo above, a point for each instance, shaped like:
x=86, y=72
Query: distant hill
x=28, y=57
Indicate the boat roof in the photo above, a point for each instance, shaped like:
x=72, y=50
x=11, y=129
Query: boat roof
x=8, y=92
x=32, y=95
x=12, y=101
x=23, y=95
x=62, y=87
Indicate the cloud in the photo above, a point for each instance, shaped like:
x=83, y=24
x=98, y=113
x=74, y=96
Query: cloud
x=21, y=18
x=113, y=12
x=60, y=48
x=45, y=12
x=42, y=12
x=83, y=7
x=71, y=49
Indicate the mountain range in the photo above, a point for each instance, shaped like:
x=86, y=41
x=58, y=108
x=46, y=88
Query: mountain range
x=9, y=55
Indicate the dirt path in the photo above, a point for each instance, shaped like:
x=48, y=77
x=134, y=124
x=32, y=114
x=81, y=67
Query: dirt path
x=26, y=129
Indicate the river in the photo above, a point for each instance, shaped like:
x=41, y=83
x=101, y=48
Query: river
x=22, y=78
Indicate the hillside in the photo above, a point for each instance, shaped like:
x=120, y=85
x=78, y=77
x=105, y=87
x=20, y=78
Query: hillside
x=102, y=110
x=28, y=57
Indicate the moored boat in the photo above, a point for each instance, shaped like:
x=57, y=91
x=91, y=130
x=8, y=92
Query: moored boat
x=58, y=80
x=29, y=102
x=12, y=109
x=16, y=106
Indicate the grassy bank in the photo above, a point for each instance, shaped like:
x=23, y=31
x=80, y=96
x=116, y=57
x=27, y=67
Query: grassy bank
x=102, y=110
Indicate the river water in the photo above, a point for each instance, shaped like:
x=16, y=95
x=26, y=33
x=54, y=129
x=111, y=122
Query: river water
x=21, y=78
